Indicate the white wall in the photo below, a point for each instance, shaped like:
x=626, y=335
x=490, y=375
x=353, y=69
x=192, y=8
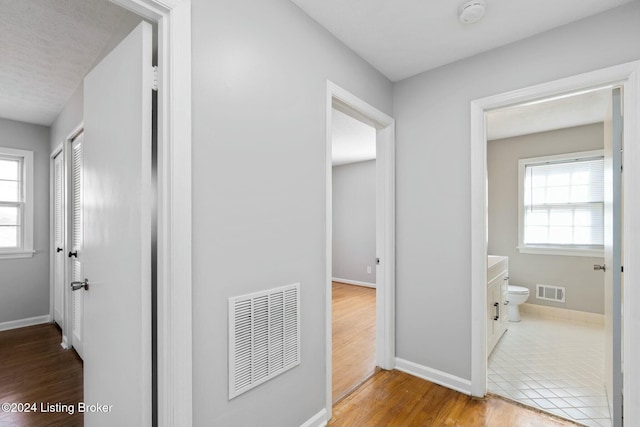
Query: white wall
x=259, y=100
x=432, y=112
x=584, y=287
x=69, y=118
x=354, y=221
x=24, y=283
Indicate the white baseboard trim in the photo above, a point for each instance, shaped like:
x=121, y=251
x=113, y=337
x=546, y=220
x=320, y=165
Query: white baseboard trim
x=558, y=313
x=21, y=323
x=434, y=375
x=354, y=282
x=318, y=420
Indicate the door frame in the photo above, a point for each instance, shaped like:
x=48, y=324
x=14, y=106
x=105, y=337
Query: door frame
x=385, y=227
x=174, y=313
x=628, y=76
x=59, y=150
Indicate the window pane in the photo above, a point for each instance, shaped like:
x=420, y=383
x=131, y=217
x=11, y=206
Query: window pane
x=580, y=177
x=582, y=218
x=537, y=218
x=558, y=194
x=563, y=201
x=597, y=237
x=536, y=235
x=558, y=179
x=9, y=237
x=596, y=230
x=560, y=235
x=538, y=181
x=538, y=196
x=9, y=215
x=580, y=193
x=9, y=191
x=582, y=236
x=9, y=169
x=561, y=217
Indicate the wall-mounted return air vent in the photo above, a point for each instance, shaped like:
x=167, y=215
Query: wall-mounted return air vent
x=550, y=293
x=264, y=336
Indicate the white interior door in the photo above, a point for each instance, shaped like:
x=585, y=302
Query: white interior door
x=76, y=243
x=117, y=237
x=58, y=240
x=613, y=258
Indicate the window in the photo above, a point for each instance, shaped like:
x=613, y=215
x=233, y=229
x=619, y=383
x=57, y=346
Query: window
x=16, y=203
x=561, y=204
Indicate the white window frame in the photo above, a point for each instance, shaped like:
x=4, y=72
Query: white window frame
x=25, y=250
x=567, y=250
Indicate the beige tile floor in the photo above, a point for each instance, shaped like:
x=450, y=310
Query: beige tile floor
x=554, y=365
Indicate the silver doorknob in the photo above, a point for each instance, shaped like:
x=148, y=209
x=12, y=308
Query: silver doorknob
x=602, y=267
x=79, y=285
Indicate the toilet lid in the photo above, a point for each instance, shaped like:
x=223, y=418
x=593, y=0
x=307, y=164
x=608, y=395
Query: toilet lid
x=518, y=290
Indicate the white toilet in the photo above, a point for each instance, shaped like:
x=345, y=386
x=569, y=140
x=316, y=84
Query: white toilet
x=516, y=295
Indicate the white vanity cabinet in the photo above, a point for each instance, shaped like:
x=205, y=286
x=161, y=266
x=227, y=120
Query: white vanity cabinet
x=497, y=293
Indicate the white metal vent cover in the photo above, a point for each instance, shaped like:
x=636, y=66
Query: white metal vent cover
x=550, y=293
x=264, y=336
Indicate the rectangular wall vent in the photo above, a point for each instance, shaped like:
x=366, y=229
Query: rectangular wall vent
x=550, y=293
x=264, y=336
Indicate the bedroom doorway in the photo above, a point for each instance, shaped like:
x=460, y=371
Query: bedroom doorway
x=343, y=104
x=353, y=253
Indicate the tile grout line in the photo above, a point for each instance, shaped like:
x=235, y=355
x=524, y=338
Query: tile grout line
x=539, y=360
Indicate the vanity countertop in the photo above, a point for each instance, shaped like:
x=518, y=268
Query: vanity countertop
x=494, y=259
x=496, y=264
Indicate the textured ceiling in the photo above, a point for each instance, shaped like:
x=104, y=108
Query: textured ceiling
x=47, y=47
x=401, y=38
x=551, y=114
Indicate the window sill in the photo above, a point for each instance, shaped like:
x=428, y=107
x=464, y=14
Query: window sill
x=547, y=250
x=16, y=254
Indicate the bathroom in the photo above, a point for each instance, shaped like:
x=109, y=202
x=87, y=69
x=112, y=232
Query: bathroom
x=552, y=354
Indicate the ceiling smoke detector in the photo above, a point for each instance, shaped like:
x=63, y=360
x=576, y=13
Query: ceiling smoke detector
x=472, y=11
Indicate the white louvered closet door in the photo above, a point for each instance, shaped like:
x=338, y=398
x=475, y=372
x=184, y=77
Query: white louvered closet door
x=58, y=240
x=76, y=243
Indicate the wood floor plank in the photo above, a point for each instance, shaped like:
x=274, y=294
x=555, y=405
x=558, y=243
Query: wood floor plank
x=35, y=369
x=353, y=337
x=394, y=398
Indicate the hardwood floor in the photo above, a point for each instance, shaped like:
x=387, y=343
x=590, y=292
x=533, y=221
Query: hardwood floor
x=393, y=398
x=36, y=370
x=354, y=337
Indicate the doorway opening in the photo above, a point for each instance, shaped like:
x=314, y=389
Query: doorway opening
x=373, y=264
x=354, y=253
x=172, y=80
x=624, y=76
x=545, y=303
